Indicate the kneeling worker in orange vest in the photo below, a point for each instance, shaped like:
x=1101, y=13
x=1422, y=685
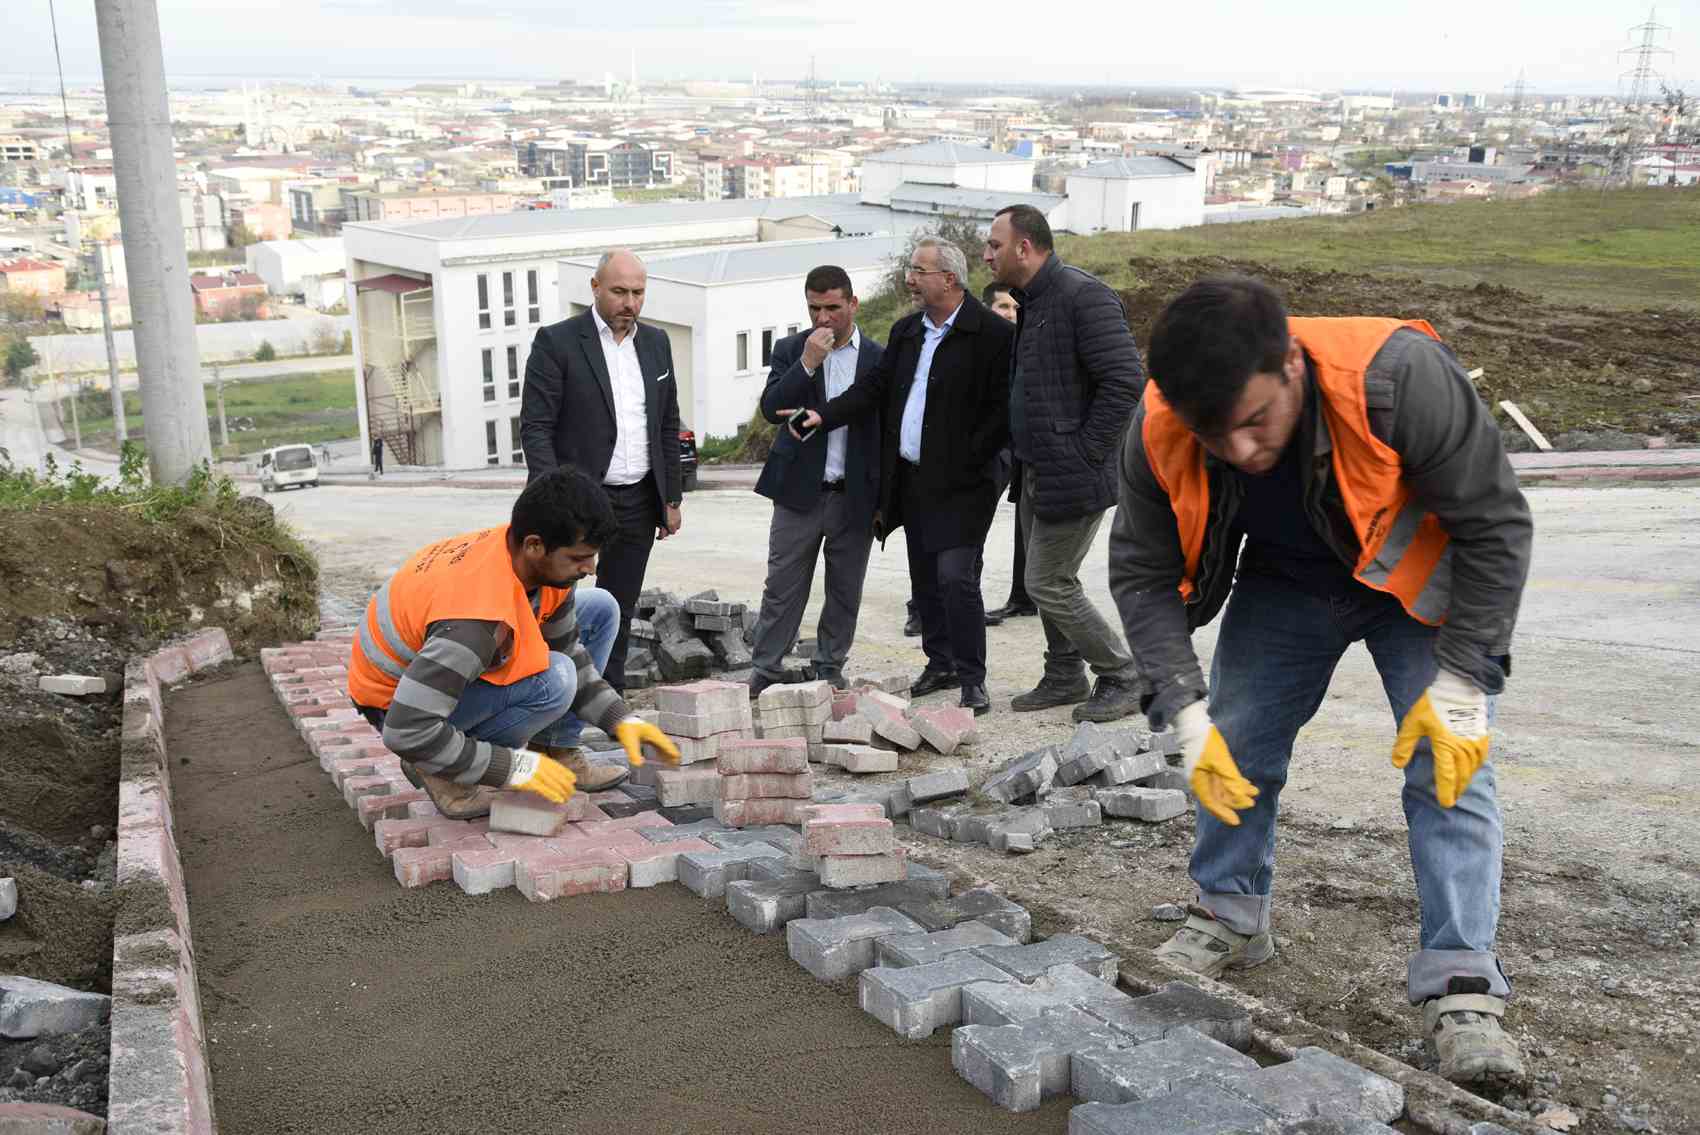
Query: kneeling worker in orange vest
x=1367, y=482
x=481, y=658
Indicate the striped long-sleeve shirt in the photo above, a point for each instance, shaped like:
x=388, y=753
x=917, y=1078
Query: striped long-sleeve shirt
x=454, y=654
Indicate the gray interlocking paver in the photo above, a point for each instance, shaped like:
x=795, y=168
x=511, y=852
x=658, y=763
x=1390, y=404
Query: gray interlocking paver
x=1122, y=1075
x=935, y=945
x=938, y=785
x=832, y=948
x=986, y=906
x=1176, y=1006
x=1027, y=775
x=765, y=905
x=1030, y=962
x=916, y=1000
x=916, y=888
x=706, y=873
x=1195, y=1109
x=1316, y=1084
x=1018, y=1066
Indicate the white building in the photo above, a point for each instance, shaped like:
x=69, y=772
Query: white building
x=445, y=311
x=723, y=311
x=943, y=163
x=1126, y=195
x=286, y=265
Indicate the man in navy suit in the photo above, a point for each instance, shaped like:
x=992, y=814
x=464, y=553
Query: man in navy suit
x=600, y=394
x=824, y=490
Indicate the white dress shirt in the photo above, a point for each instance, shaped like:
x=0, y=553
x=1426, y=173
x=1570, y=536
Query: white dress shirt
x=630, y=462
x=915, y=409
x=840, y=376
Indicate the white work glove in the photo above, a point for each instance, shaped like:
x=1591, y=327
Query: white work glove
x=1209, y=768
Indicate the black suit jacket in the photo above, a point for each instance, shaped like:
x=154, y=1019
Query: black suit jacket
x=795, y=469
x=963, y=431
x=567, y=412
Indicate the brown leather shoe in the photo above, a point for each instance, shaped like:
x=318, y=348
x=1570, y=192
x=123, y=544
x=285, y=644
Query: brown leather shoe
x=590, y=777
x=455, y=801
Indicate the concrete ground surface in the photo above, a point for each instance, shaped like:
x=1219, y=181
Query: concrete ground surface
x=336, y=1002
x=1598, y=740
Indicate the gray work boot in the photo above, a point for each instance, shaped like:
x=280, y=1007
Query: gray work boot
x=454, y=801
x=589, y=777
x=1206, y=946
x=1462, y=1033
x=1052, y=691
x=1112, y=700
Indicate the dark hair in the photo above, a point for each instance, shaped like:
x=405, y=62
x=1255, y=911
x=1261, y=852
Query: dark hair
x=990, y=292
x=1030, y=223
x=563, y=507
x=826, y=278
x=1210, y=340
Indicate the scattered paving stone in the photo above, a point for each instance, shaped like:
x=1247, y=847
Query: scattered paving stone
x=1199, y=1108
x=939, y=822
x=1371, y=1127
x=916, y=1000
x=1031, y=961
x=1319, y=1085
x=19, y=1118
x=1168, y=912
x=1153, y=805
x=847, y=731
x=72, y=685
x=938, y=785
x=1018, y=1066
x=1020, y=830
x=769, y=755
x=935, y=945
x=1128, y=769
x=859, y=759
x=8, y=898
x=1122, y=1075
x=833, y=948
x=1067, y=814
x=31, y=1008
x=1030, y=774
x=944, y=727
x=1171, y=779
x=1179, y=1006
x=980, y=905
x=706, y=873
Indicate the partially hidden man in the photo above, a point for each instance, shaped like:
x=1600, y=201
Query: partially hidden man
x=1349, y=471
x=480, y=659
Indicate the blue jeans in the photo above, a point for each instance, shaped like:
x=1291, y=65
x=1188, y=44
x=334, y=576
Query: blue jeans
x=1274, y=657
x=537, y=711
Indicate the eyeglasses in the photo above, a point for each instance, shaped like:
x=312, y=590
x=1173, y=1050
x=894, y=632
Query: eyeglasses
x=914, y=271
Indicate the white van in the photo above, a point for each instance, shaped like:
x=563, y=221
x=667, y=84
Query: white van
x=287, y=465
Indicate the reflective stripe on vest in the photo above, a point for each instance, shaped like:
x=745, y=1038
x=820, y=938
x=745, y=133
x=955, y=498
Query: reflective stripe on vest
x=1408, y=557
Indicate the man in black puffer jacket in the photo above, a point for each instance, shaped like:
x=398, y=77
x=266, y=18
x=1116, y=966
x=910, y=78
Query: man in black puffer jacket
x=1074, y=382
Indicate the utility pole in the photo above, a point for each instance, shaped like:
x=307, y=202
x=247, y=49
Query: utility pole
x=119, y=425
x=132, y=65
x=218, y=385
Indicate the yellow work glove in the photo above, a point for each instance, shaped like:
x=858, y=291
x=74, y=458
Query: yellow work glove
x=1210, y=770
x=634, y=733
x=549, y=778
x=1453, y=716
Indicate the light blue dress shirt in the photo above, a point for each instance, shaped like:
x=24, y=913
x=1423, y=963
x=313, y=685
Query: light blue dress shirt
x=915, y=409
x=840, y=376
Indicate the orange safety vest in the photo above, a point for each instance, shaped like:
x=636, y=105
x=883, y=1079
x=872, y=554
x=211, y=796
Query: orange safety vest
x=470, y=576
x=1404, y=548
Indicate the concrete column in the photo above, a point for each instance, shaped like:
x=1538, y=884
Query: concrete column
x=163, y=314
x=120, y=427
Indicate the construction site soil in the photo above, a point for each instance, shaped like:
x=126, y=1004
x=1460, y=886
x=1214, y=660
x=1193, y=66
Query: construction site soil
x=1572, y=369
x=336, y=1001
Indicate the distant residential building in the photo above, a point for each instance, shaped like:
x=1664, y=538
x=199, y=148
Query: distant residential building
x=231, y=295
x=80, y=311
x=264, y=220
x=401, y=208
x=1134, y=194
x=91, y=189
x=943, y=163
x=17, y=148
x=580, y=163
x=317, y=208
x=206, y=222
x=25, y=275
x=287, y=266
x=257, y=183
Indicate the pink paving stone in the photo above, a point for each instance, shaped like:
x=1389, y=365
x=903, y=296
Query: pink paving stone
x=613, y=841
x=19, y=1118
x=773, y=755
x=627, y=823
x=516, y=844
x=421, y=810
x=702, y=698
x=752, y=786
x=417, y=866
x=848, y=837
x=309, y=708
x=480, y=872
x=844, y=703
x=591, y=815
x=459, y=829
x=390, y=806
x=944, y=727
x=692, y=750
x=168, y=665
x=562, y=873
x=208, y=648
x=659, y=862
x=743, y=813
x=392, y=834
x=342, y=768
x=841, y=813
x=356, y=787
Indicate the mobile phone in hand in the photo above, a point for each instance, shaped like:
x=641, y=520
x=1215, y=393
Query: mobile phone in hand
x=795, y=421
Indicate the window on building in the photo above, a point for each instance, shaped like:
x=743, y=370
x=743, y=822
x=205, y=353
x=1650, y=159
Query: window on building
x=767, y=346
x=517, y=456
x=483, y=303
x=793, y=329
x=507, y=299
x=492, y=455
x=743, y=351
x=513, y=372
x=534, y=310
x=489, y=354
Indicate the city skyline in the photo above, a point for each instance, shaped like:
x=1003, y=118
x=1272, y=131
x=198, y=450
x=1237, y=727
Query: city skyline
x=1563, y=48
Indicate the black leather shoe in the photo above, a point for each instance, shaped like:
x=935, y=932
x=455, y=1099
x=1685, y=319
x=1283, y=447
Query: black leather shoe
x=1111, y=700
x=993, y=619
x=912, y=626
x=931, y=681
x=1011, y=611
x=974, y=697
x=1053, y=692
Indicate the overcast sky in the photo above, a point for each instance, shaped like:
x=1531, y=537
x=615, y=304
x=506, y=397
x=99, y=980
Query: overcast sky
x=1565, y=45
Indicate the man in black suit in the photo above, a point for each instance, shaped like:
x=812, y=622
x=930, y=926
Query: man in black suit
x=600, y=394
x=942, y=390
x=824, y=490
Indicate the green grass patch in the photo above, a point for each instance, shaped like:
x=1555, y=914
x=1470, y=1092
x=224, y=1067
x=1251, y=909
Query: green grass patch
x=311, y=407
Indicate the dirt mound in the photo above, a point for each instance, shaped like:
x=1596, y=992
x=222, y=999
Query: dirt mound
x=62, y=932
x=1568, y=367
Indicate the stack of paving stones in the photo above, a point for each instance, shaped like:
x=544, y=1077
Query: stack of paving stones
x=699, y=716
x=763, y=781
x=1123, y=773
x=676, y=640
x=1032, y=1020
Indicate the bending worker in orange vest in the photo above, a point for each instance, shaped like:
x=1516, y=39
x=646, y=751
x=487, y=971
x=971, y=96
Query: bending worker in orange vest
x=471, y=661
x=1369, y=486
